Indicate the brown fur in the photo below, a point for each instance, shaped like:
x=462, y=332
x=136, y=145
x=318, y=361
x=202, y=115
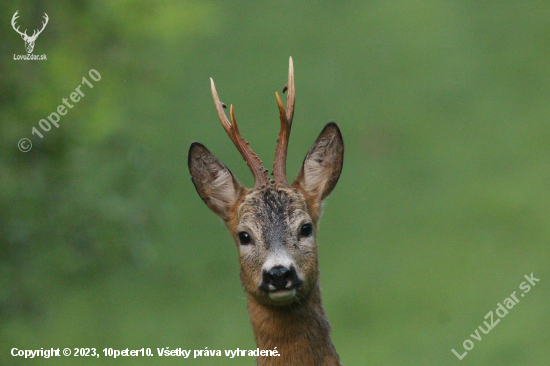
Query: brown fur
x=301, y=333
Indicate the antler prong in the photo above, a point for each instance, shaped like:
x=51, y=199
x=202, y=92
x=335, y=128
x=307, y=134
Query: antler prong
x=232, y=129
x=234, y=126
x=291, y=96
x=279, y=166
x=282, y=113
x=221, y=115
x=13, y=19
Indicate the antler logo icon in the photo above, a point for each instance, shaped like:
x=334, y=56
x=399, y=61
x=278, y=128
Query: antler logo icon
x=29, y=41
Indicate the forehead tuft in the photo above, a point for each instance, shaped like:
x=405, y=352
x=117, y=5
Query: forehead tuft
x=273, y=203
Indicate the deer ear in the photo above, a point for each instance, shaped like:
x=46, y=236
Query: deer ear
x=214, y=183
x=323, y=164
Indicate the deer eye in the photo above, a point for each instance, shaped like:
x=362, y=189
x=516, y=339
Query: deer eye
x=244, y=238
x=306, y=230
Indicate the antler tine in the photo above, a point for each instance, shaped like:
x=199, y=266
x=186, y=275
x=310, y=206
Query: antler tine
x=13, y=19
x=46, y=18
x=291, y=96
x=254, y=163
x=279, y=166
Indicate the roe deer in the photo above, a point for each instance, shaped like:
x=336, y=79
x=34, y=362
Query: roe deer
x=274, y=226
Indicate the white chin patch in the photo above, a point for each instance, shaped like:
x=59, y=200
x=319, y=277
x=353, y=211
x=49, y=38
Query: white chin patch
x=282, y=295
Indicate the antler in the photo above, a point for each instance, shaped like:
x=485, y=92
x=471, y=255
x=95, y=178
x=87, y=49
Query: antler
x=251, y=159
x=279, y=166
x=15, y=16
x=35, y=34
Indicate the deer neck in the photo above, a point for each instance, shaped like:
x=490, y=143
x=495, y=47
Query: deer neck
x=301, y=333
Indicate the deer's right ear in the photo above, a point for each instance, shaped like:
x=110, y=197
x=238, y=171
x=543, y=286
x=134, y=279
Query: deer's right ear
x=214, y=183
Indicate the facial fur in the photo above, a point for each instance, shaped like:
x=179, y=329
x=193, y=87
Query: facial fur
x=274, y=217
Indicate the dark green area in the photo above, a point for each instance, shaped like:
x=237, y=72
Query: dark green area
x=442, y=208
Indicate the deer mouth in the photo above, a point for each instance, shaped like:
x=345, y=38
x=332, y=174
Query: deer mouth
x=281, y=292
x=282, y=295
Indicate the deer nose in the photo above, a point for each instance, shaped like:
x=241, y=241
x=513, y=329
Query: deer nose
x=278, y=278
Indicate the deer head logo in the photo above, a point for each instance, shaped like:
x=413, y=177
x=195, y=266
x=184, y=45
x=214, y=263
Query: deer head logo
x=29, y=41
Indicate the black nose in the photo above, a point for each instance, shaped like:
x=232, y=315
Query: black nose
x=279, y=277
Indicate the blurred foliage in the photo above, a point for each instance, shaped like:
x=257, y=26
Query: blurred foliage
x=442, y=207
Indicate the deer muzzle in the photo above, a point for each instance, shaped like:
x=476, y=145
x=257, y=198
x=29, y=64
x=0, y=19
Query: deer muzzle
x=280, y=282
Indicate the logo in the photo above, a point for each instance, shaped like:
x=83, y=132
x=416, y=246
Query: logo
x=29, y=40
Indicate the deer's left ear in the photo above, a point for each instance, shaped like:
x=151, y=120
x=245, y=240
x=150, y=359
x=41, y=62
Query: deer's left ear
x=323, y=164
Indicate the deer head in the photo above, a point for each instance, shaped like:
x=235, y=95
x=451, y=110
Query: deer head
x=274, y=224
x=29, y=40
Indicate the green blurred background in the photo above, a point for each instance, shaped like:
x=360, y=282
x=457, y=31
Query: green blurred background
x=441, y=209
